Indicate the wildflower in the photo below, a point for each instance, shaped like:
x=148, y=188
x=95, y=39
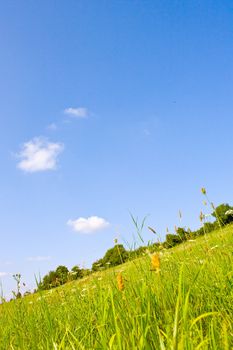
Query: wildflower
x=180, y=214
x=155, y=262
x=120, y=282
x=115, y=240
x=203, y=190
x=216, y=246
x=229, y=212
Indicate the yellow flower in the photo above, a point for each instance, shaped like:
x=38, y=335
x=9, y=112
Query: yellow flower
x=155, y=262
x=120, y=282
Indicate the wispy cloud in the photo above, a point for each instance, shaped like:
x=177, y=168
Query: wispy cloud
x=88, y=225
x=39, y=154
x=39, y=258
x=52, y=127
x=78, y=112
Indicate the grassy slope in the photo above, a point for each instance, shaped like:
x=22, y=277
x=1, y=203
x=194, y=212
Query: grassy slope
x=188, y=305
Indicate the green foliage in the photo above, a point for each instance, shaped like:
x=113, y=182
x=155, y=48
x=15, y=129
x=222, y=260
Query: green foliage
x=98, y=265
x=220, y=214
x=210, y=226
x=116, y=255
x=62, y=274
x=182, y=233
x=171, y=240
x=76, y=272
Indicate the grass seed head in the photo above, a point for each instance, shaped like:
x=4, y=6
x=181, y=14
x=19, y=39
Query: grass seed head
x=120, y=282
x=203, y=190
x=202, y=216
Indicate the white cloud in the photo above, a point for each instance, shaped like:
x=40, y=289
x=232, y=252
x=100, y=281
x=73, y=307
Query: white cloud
x=39, y=258
x=39, y=154
x=88, y=225
x=52, y=127
x=3, y=274
x=79, y=112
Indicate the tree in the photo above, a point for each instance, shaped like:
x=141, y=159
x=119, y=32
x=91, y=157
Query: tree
x=171, y=240
x=182, y=233
x=223, y=213
x=76, y=272
x=62, y=274
x=98, y=265
x=116, y=255
x=49, y=281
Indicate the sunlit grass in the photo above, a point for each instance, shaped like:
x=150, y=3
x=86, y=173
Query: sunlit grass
x=183, y=301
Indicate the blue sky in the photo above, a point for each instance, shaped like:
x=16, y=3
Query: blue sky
x=109, y=107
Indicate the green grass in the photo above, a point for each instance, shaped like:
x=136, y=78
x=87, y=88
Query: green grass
x=187, y=305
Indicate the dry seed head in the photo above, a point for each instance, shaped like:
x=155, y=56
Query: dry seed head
x=152, y=230
x=201, y=216
x=155, y=262
x=120, y=282
x=203, y=190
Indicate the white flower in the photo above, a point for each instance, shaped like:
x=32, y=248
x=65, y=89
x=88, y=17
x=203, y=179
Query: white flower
x=229, y=212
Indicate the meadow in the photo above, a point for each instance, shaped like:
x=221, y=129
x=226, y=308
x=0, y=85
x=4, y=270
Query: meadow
x=184, y=302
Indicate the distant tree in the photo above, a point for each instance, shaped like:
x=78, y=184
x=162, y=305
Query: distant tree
x=62, y=274
x=49, y=281
x=171, y=240
x=116, y=255
x=98, y=265
x=85, y=272
x=210, y=226
x=76, y=272
x=137, y=252
x=182, y=233
x=223, y=213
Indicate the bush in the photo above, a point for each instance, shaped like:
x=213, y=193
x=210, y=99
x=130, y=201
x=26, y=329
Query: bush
x=171, y=240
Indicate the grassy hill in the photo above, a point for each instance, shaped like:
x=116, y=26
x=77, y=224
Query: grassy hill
x=185, y=304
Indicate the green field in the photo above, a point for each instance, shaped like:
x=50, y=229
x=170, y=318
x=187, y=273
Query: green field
x=188, y=304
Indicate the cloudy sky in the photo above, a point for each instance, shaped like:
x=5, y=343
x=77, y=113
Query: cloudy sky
x=107, y=108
